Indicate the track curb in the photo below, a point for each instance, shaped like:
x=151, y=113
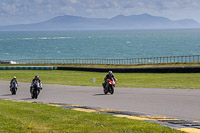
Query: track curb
x=177, y=124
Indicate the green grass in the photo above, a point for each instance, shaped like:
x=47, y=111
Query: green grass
x=30, y=117
x=79, y=78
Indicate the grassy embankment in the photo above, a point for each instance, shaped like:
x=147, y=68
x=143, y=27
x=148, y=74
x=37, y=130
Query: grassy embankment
x=78, y=78
x=29, y=117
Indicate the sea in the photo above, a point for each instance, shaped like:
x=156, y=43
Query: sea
x=101, y=44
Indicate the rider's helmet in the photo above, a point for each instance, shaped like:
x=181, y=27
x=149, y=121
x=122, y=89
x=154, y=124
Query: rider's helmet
x=36, y=76
x=110, y=72
x=14, y=77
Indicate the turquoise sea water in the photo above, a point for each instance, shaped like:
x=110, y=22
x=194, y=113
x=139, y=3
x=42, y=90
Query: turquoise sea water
x=98, y=44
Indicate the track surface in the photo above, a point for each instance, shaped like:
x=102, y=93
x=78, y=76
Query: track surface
x=176, y=103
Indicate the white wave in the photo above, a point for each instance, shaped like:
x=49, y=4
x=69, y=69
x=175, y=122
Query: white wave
x=28, y=38
x=13, y=62
x=46, y=38
x=62, y=37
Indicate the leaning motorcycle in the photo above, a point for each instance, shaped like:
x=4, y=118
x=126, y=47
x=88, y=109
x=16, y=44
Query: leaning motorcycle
x=110, y=87
x=13, y=88
x=35, y=90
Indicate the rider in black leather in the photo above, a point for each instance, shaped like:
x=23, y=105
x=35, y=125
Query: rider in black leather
x=108, y=76
x=36, y=79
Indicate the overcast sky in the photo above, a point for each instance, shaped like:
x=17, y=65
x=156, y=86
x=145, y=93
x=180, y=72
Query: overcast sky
x=31, y=11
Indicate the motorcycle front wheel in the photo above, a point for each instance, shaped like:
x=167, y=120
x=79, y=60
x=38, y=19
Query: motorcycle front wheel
x=13, y=91
x=105, y=91
x=111, y=90
x=35, y=94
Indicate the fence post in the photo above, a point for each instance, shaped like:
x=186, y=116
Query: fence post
x=193, y=58
x=189, y=58
x=174, y=59
x=160, y=60
x=184, y=59
x=163, y=59
x=167, y=59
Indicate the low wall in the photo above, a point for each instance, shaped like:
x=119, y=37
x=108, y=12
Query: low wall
x=27, y=68
x=192, y=69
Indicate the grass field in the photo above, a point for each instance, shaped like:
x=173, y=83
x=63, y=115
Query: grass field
x=37, y=118
x=79, y=78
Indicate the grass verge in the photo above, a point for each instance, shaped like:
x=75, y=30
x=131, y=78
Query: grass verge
x=131, y=80
x=30, y=117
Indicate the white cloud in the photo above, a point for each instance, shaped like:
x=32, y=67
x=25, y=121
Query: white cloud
x=73, y=1
x=39, y=1
x=9, y=9
x=67, y=10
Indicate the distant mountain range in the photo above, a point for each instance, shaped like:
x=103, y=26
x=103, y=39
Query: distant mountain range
x=67, y=22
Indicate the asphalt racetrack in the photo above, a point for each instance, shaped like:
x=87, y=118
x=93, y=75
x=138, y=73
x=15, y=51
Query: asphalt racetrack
x=175, y=103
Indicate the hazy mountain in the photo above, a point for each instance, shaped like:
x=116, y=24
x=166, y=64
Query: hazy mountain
x=143, y=21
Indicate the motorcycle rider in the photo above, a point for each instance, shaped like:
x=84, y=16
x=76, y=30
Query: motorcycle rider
x=13, y=80
x=110, y=75
x=40, y=83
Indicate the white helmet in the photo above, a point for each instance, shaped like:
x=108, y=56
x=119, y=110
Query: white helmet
x=110, y=72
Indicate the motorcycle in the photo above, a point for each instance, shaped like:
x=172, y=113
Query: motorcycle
x=35, y=90
x=13, y=88
x=110, y=87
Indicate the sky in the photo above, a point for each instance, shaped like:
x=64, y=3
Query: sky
x=32, y=11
